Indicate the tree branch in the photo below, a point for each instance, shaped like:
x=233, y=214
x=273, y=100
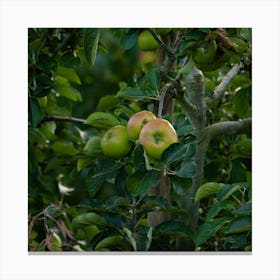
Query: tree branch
x=228, y=128
x=195, y=93
x=220, y=89
x=63, y=43
x=64, y=119
x=160, y=42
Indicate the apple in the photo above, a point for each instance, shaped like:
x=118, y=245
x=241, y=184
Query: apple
x=205, y=54
x=162, y=31
x=147, y=60
x=146, y=57
x=115, y=143
x=146, y=41
x=156, y=136
x=136, y=122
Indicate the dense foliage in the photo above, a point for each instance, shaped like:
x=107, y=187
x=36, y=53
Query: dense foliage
x=81, y=82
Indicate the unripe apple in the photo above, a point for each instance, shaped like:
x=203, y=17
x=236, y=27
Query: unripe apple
x=115, y=142
x=205, y=54
x=162, y=31
x=136, y=122
x=146, y=41
x=156, y=136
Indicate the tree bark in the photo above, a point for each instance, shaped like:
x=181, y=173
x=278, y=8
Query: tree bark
x=196, y=112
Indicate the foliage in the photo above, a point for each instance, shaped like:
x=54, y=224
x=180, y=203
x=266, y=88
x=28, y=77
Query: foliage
x=81, y=82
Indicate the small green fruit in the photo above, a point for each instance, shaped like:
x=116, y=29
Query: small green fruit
x=205, y=54
x=162, y=31
x=146, y=41
x=115, y=143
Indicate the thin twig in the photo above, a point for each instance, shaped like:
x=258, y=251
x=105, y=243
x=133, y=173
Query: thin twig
x=160, y=42
x=65, y=119
x=63, y=43
x=220, y=89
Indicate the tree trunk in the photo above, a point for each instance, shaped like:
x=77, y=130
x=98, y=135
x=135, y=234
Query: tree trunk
x=197, y=116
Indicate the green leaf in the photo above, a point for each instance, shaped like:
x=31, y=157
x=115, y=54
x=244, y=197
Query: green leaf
x=173, y=153
x=88, y=219
x=245, y=209
x=92, y=147
x=135, y=94
x=91, y=232
x=153, y=78
x=57, y=111
x=91, y=39
x=173, y=228
x=186, y=170
x=36, y=113
x=216, y=208
x=107, y=170
x=130, y=39
x=227, y=190
x=240, y=224
x=180, y=185
x=130, y=238
x=83, y=162
x=64, y=148
x=108, y=242
x=102, y=120
x=242, y=102
x=48, y=129
x=187, y=69
x=238, y=172
x=140, y=182
x=182, y=125
x=150, y=238
x=207, y=230
x=138, y=158
x=69, y=92
x=69, y=74
x=207, y=189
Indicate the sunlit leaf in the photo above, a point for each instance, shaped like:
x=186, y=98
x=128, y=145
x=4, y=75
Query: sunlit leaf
x=108, y=242
x=88, y=219
x=91, y=39
x=207, y=189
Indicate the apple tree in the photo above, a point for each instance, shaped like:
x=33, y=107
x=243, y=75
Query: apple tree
x=139, y=139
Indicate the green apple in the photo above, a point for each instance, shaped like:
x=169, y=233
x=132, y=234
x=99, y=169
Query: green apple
x=136, y=122
x=146, y=60
x=146, y=41
x=162, y=31
x=205, y=54
x=146, y=57
x=156, y=136
x=115, y=143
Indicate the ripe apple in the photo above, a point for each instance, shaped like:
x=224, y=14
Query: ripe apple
x=205, y=54
x=156, y=136
x=115, y=142
x=146, y=41
x=136, y=122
